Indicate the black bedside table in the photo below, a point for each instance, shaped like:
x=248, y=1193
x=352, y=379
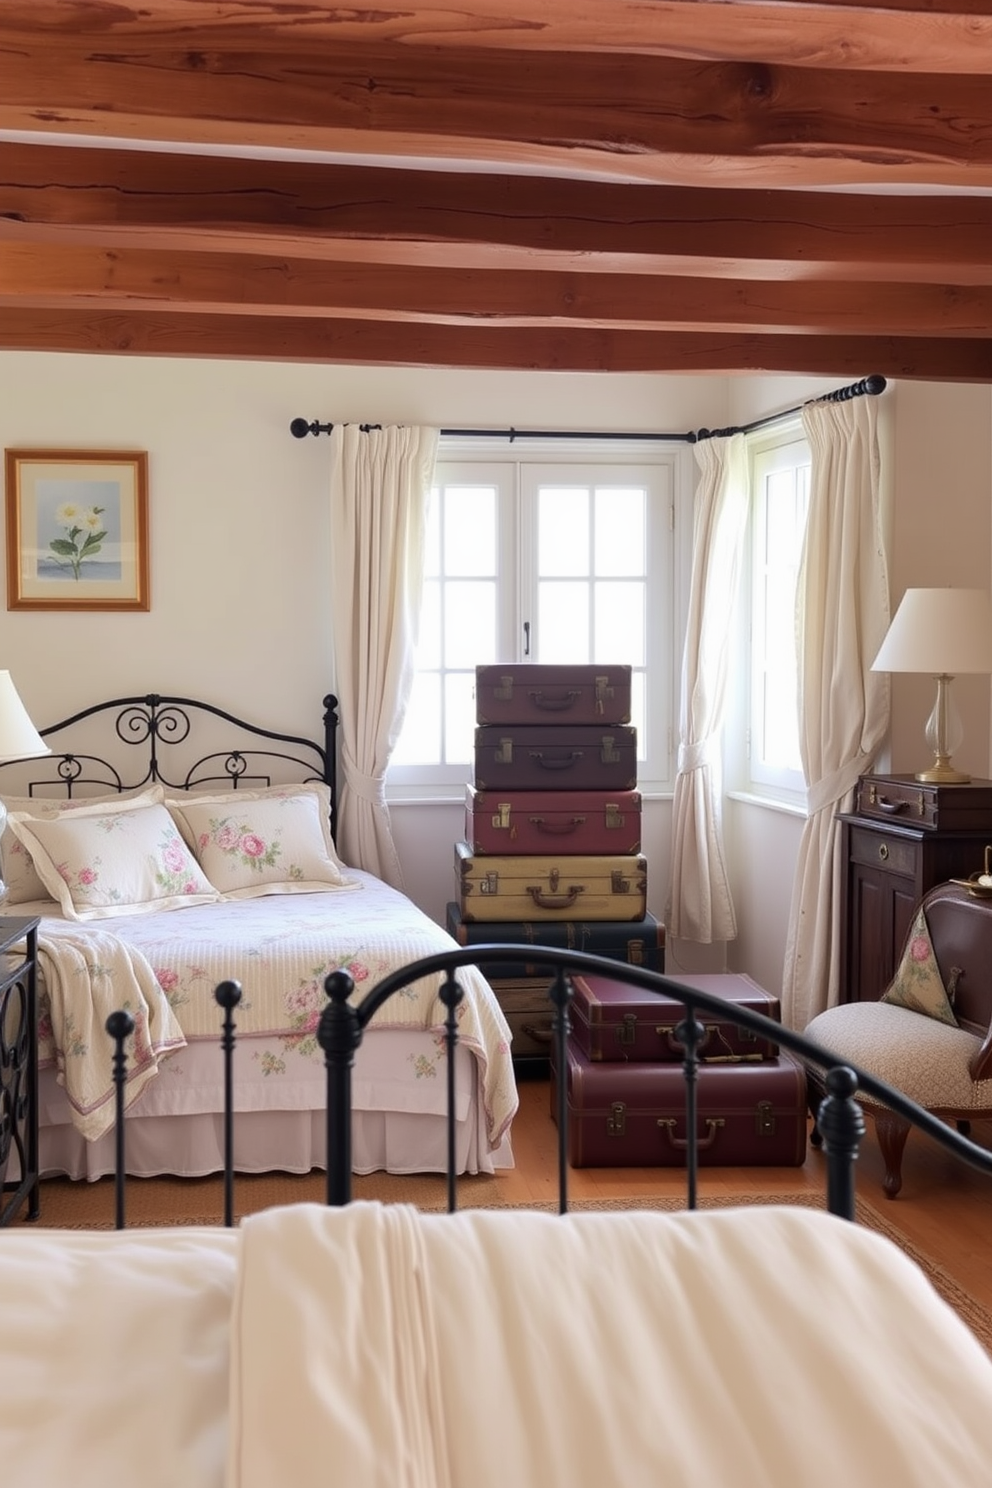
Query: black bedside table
x=19, y=1065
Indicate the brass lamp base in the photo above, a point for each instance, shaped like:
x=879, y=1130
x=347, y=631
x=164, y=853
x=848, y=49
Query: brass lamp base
x=943, y=774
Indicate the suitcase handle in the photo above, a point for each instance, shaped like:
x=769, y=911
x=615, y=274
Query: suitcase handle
x=553, y=704
x=891, y=808
x=555, y=762
x=556, y=829
x=541, y=1033
x=554, y=901
x=713, y=1124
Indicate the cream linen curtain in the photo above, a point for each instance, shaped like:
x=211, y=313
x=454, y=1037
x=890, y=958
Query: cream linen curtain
x=700, y=907
x=842, y=614
x=380, y=487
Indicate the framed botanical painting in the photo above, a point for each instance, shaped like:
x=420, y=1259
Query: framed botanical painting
x=77, y=530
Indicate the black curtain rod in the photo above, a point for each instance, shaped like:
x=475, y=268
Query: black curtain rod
x=870, y=386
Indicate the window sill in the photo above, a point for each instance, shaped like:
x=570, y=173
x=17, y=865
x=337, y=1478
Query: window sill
x=769, y=803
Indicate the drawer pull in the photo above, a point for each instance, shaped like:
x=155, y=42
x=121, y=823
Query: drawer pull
x=883, y=852
x=891, y=808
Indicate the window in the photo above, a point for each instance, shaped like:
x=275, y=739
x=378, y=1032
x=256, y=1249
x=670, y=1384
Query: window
x=559, y=556
x=780, y=475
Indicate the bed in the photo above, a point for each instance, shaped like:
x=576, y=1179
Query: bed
x=245, y=884
x=368, y=1345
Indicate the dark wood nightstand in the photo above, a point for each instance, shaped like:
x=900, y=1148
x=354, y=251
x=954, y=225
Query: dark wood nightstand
x=903, y=837
x=19, y=1064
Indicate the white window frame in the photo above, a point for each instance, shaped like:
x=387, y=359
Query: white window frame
x=457, y=459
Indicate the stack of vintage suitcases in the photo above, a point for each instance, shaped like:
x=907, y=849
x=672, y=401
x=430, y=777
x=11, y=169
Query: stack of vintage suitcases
x=625, y=1087
x=552, y=849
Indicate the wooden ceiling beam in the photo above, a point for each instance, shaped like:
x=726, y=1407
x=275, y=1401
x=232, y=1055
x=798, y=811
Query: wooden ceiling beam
x=651, y=118
x=912, y=35
x=50, y=277
x=382, y=343
x=122, y=198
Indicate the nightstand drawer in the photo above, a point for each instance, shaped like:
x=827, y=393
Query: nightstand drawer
x=880, y=850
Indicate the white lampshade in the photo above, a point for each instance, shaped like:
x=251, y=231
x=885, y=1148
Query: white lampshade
x=939, y=631
x=19, y=739
x=942, y=632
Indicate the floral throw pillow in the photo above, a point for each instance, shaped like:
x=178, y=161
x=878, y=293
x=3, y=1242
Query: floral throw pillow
x=263, y=842
x=101, y=861
x=918, y=984
x=19, y=872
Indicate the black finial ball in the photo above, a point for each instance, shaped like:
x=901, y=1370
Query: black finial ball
x=299, y=428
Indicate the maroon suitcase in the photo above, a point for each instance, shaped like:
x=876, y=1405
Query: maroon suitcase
x=612, y=1020
x=556, y=757
x=527, y=822
x=633, y=1115
x=533, y=693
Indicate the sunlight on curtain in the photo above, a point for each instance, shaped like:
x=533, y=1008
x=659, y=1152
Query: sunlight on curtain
x=700, y=907
x=842, y=614
x=380, y=490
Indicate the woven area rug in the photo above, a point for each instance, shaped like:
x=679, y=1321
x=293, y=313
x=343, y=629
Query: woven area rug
x=200, y=1201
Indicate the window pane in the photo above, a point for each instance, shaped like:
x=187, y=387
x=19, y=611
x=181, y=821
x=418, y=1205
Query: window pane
x=620, y=530
x=429, y=641
x=562, y=530
x=619, y=623
x=459, y=717
x=470, y=530
x=469, y=623
x=420, y=741
x=562, y=622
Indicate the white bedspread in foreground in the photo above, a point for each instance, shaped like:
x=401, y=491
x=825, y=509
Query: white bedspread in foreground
x=382, y=1348
x=164, y=967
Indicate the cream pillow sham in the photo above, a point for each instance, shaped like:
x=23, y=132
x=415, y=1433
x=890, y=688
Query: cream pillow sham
x=271, y=841
x=106, y=860
x=19, y=872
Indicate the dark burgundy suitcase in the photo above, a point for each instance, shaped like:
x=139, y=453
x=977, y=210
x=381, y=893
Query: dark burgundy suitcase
x=526, y=822
x=637, y=942
x=556, y=756
x=533, y=693
x=633, y=1115
x=612, y=1020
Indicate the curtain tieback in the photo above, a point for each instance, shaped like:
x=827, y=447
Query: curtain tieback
x=368, y=787
x=694, y=756
x=832, y=787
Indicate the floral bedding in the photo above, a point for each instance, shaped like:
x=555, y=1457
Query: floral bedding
x=164, y=967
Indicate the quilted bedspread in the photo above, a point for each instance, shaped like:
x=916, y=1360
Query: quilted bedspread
x=164, y=968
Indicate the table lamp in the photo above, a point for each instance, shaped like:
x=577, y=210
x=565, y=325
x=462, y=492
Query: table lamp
x=19, y=739
x=943, y=632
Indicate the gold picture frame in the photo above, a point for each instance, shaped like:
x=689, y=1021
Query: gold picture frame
x=77, y=530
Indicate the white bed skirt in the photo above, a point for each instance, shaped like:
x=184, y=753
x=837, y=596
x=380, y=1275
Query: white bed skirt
x=176, y=1125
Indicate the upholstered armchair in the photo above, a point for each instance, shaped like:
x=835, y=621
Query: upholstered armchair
x=931, y=1034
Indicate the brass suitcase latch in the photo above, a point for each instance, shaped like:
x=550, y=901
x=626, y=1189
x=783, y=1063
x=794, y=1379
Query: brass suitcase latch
x=627, y=1030
x=616, y=1121
x=505, y=690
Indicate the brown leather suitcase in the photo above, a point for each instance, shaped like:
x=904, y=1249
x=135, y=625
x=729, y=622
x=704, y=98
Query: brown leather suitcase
x=614, y=1021
x=550, y=821
x=636, y=942
x=534, y=693
x=633, y=1115
x=550, y=888
x=556, y=756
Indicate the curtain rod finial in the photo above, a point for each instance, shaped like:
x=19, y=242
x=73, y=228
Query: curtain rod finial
x=299, y=428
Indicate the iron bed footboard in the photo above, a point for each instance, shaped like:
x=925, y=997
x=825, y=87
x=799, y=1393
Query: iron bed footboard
x=839, y=1120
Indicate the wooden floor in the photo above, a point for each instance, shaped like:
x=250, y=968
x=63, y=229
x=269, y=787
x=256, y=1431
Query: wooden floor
x=945, y=1207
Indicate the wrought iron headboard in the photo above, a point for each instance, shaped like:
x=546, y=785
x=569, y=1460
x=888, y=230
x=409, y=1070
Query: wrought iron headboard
x=160, y=734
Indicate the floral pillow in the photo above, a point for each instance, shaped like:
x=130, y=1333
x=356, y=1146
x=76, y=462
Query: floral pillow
x=105, y=860
x=274, y=841
x=918, y=984
x=19, y=872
